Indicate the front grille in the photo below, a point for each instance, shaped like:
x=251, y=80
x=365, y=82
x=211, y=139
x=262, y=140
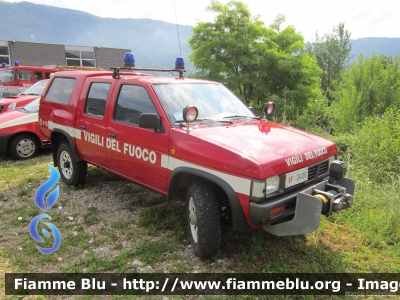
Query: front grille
x=323, y=168
x=312, y=171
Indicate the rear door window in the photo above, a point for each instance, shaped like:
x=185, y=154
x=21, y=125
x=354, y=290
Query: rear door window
x=61, y=90
x=97, y=98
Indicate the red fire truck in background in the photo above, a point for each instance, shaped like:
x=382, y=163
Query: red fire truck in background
x=23, y=75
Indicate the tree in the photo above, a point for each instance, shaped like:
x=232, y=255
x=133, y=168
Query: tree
x=223, y=50
x=285, y=70
x=332, y=53
x=254, y=61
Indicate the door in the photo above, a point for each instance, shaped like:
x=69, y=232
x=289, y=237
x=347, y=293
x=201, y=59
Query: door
x=132, y=151
x=91, y=120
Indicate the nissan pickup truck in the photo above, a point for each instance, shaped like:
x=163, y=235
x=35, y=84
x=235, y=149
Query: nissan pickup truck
x=194, y=140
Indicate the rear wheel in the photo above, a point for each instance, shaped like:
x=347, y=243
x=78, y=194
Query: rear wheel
x=24, y=146
x=203, y=219
x=72, y=172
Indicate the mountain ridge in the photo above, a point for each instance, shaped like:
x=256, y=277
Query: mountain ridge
x=155, y=43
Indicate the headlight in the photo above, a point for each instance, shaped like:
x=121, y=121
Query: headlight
x=11, y=106
x=272, y=185
x=261, y=188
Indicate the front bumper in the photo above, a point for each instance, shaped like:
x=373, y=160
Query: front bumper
x=306, y=207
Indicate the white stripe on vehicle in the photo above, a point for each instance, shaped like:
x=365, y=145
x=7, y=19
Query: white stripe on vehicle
x=25, y=119
x=73, y=132
x=239, y=184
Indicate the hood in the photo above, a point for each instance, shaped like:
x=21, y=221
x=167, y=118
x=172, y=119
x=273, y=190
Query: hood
x=15, y=118
x=11, y=99
x=277, y=147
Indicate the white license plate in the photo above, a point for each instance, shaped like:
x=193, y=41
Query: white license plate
x=296, y=177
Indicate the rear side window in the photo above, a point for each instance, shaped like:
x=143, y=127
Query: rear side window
x=38, y=75
x=97, y=98
x=25, y=75
x=132, y=101
x=60, y=90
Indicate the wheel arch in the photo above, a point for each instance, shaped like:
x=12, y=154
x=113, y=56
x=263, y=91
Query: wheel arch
x=59, y=136
x=34, y=135
x=181, y=177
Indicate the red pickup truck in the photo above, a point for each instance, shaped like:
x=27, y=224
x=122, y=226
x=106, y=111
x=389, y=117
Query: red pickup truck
x=193, y=140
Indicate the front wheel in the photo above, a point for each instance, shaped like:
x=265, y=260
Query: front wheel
x=203, y=219
x=72, y=172
x=24, y=146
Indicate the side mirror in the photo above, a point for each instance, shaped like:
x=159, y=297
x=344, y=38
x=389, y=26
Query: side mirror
x=268, y=108
x=190, y=114
x=149, y=120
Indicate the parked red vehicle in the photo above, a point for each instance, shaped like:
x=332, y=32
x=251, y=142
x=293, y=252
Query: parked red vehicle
x=24, y=75
x=194, y=140
x=12, y=102
x=19, y=132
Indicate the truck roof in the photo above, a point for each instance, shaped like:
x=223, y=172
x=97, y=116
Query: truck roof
x=151, y=79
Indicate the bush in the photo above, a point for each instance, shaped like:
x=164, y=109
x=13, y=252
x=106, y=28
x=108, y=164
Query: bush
x=376, y=147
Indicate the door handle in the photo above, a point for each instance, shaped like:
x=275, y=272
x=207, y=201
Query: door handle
x=83, y=127
x=113, y=135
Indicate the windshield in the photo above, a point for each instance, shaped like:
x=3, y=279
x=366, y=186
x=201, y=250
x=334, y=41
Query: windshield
x=32, y=107
x=7, y=75
x=36, y=89
x=214, y=101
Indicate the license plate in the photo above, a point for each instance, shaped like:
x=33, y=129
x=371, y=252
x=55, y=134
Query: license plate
x=296, y=177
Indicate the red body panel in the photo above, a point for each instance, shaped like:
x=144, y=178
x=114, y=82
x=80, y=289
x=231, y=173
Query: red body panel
x=20, y=100
x=17, y=122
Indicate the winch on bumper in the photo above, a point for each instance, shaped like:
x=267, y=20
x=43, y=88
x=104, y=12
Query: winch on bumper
x=329, y=196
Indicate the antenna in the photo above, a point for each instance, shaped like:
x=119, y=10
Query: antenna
x=177, y=30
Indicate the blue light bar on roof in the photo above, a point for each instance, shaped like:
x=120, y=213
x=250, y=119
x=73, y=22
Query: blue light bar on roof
x=129, y=60
x=16, y=63
x=179, y=63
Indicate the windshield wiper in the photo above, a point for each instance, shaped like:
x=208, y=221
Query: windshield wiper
x=22, y=109
x=204, y=120
x=256, y=118
x=200, y=120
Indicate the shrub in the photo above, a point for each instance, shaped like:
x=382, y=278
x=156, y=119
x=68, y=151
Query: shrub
x=376, y=149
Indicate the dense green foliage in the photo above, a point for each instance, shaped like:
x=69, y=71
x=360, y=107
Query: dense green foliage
x=376, y=146
x=254, y=61
x=368, y=88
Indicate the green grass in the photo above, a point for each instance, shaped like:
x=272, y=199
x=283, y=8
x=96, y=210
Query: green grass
x=145, y=233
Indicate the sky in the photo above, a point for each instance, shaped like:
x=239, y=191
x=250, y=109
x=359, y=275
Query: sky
x=363, y=18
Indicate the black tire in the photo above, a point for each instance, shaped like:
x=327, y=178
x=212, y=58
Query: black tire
x=203, y=219
x=72, y=172
x=24, y=146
